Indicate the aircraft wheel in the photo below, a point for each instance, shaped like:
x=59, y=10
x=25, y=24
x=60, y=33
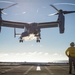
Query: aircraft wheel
x=37, y=40
x=21, y=41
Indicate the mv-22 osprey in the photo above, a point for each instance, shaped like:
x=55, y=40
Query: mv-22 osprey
x=35, y=28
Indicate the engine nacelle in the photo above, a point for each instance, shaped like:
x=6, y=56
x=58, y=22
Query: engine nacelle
x=0, y=25
x=61, y=20
x=61, y=27
x=0, y=28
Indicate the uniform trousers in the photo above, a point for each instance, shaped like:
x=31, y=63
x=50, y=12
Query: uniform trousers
x=71, y=63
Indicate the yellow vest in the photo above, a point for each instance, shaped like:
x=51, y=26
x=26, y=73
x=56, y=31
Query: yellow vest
x=70, y=51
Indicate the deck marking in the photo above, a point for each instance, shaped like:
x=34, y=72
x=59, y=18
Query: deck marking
x=28, y=70
x=50, y=72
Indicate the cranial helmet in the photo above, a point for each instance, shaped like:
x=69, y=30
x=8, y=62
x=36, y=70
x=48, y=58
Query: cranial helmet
x=72, y=44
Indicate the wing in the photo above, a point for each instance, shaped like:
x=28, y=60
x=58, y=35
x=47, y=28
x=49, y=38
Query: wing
x=48, y=24
x=14, y=24
x=22, y=25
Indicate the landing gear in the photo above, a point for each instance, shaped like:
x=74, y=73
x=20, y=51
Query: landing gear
x=37, y=40
x=20, y=40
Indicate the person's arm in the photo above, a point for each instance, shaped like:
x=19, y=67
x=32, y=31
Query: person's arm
x=67, y=52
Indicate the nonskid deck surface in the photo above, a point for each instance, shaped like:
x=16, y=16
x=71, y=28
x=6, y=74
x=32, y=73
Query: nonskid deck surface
x=31, y=70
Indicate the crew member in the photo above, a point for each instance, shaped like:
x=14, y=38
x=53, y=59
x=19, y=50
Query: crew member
x=70, y=52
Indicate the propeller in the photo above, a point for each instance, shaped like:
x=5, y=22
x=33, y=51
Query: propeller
x=61, y=11
x=3, y=13
x=1, y=9
x=54, y=7
x=52, y=14
x=10, y=6
x=68, y=12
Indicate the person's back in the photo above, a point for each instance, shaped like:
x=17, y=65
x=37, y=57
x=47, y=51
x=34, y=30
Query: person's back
x=70, y=52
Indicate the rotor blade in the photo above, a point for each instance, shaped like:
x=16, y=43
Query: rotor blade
x=52, y=14
x=4, y=13
x=68, y=12
x=54, y=7
x=10, y=6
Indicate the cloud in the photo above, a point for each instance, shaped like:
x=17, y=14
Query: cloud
x=31, y=56
x=55, y=54
x=46, y=53
x=3, y=55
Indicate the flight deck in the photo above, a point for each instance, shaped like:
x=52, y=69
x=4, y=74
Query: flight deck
x=53, y=69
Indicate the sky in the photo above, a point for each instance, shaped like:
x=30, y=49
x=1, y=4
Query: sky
x=52, y=46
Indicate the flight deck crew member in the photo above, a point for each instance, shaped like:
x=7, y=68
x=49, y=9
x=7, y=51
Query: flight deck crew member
x=70, y=52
